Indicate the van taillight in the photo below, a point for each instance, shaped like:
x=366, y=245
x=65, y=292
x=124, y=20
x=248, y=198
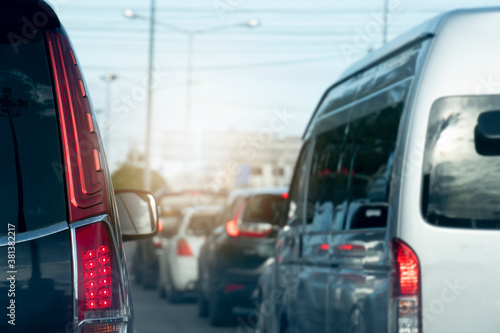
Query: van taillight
x=99, y=282
x=83, y=156
x=405, y=289
x=95, y=260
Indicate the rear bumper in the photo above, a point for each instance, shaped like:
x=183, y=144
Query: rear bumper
x=236, y=286
x=184, y=273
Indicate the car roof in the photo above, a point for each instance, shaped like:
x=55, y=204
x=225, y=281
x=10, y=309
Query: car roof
x=426, y=29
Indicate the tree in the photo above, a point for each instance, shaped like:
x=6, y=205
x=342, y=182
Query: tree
x=132, y=177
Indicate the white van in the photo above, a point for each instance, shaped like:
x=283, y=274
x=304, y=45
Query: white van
x=393, y=219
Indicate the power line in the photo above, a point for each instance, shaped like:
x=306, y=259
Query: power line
x=222, y=67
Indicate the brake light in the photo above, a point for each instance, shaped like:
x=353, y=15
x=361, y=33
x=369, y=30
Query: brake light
x=406, y=291
x=98, y=292
x=229, y=288
x=234, y=229
x=284, y=195
x=83, y=156
x=183, y=249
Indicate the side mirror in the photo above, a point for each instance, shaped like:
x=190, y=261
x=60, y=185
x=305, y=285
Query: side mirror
x=487, y=133
x=137, y=213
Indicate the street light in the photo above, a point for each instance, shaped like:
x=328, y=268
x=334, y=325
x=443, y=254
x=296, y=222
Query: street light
x=109, y=77
x=129, y=13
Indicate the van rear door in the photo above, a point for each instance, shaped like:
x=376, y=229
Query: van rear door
x=460, y=200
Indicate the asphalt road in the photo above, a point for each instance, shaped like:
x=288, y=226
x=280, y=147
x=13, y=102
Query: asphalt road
x=156, y=315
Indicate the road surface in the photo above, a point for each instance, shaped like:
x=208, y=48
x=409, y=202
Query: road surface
x=156, y=315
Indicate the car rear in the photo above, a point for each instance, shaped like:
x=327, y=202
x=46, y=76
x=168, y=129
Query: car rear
x=186, y=247
x=60, y=243
x=248, y=241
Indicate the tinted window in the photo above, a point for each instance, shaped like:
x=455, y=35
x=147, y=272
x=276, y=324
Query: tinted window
x=461, y=188
x=328, y=177
x=263, y=208
x=31, y=181
x=200, y=225
x=373, y=142
x=297, y=191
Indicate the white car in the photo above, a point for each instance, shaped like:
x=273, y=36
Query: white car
x=178, y=260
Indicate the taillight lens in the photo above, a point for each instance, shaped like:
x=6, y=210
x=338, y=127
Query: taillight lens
x=183, y=248
x=235, y=229
x=81, y=143
x=99, y=281
x=406, y=293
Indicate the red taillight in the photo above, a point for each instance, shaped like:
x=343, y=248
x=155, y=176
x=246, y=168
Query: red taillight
x=407, y=270
x=183, y=248
x=232, y=228
x=83, y=155
x=96, y=288
x=406, y=294
x=235, y=229
x=233, y=287
x=284, y=195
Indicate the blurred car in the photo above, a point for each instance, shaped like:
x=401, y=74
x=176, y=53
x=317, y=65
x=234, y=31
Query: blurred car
x=171, y=204
x=178, y=261
x=62, y=260
x=234, y=255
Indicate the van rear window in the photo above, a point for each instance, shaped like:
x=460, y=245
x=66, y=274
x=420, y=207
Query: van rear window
x=461, y=185
x=31, y=180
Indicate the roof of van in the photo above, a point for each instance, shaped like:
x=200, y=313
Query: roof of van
x=425, y=29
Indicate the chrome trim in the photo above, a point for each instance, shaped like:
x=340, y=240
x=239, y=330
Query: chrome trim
x=74, y=257
x=73, y=226
x=37, y=233
x=117, y=320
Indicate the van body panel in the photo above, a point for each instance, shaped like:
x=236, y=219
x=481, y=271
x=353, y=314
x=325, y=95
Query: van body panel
x=458, y=266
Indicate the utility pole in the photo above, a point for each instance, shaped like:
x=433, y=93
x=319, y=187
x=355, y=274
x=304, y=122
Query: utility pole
x=386, y=18
x=147, y=155
x=108, y=78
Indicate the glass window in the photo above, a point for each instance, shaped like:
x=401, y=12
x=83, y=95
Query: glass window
x=263, y=208
x=328, y=177
x=461, y=188
x=201, y=224
x=31, y=181
x=297, y=191
x=373, y=142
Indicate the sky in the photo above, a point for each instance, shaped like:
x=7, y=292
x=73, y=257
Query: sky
x=241, y=75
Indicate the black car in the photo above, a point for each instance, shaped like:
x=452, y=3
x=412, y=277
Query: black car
x=146, y=252
x=61, y=257
x=235, y=253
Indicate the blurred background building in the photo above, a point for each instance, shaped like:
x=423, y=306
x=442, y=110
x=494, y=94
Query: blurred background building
x=259, y=163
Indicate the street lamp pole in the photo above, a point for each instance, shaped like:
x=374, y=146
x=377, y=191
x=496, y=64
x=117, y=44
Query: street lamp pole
x=108, y=78
x=386, y=19
x=189, y=81
x=191, y=35
x=147, y=155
